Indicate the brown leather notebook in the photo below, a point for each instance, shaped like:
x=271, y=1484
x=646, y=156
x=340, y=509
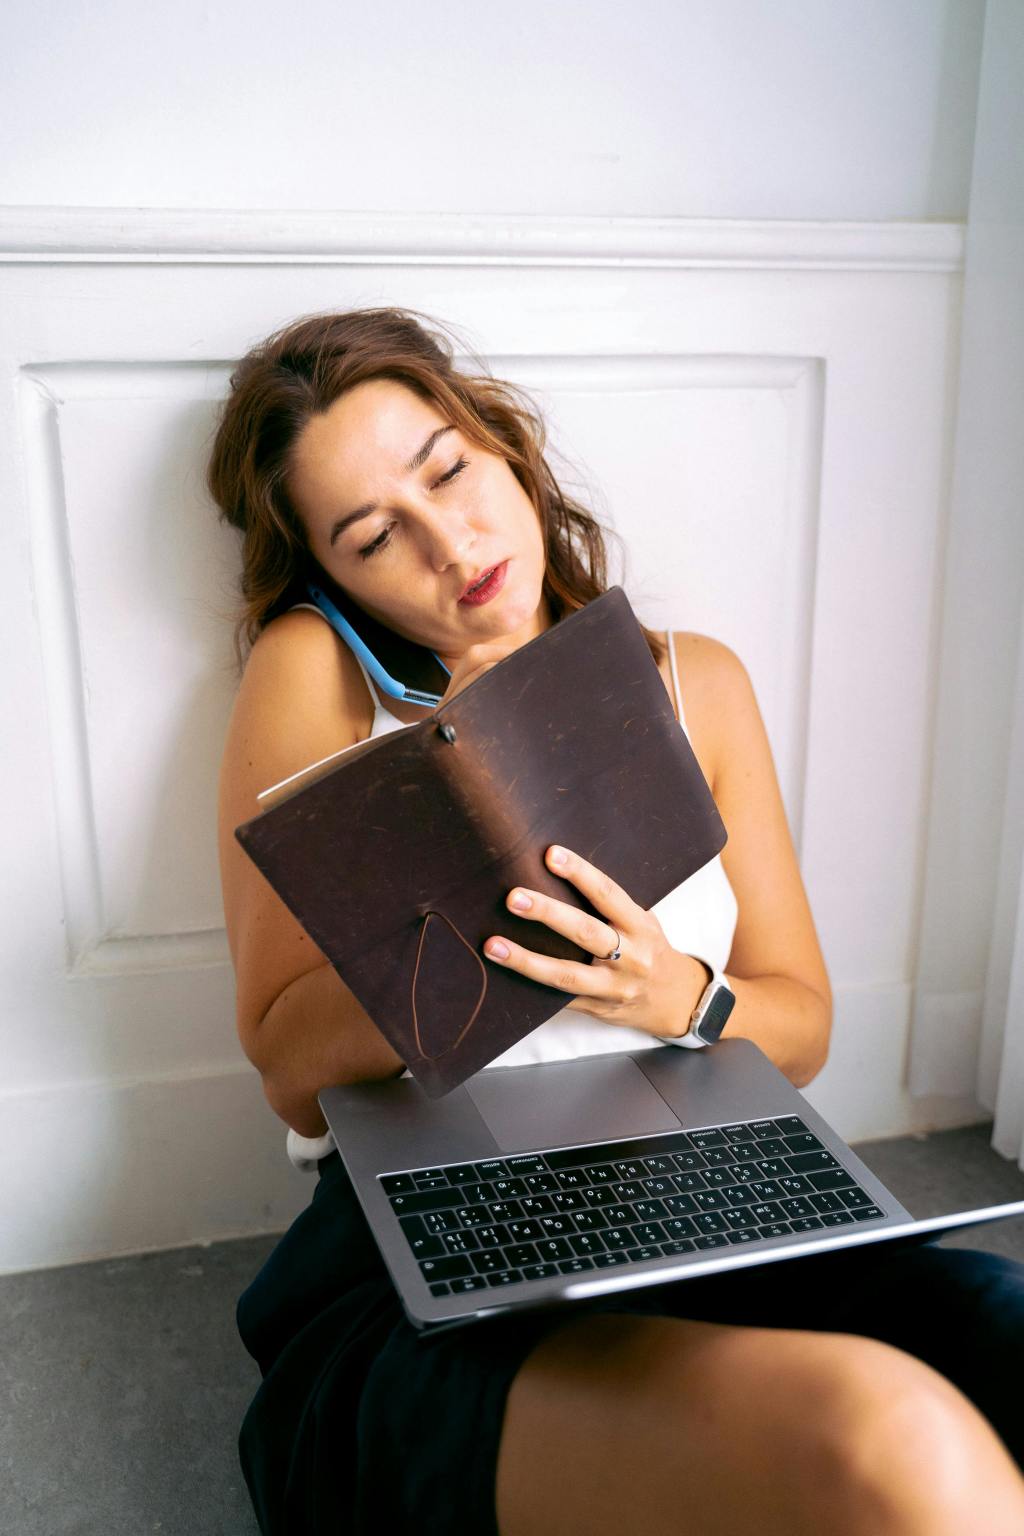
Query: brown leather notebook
x=397, y=855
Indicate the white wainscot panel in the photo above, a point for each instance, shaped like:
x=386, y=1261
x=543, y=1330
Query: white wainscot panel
x=140, y=688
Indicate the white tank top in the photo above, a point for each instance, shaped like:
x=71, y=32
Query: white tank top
x=698, y=918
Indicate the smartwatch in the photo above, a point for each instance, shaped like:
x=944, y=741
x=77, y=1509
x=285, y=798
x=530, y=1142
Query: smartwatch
x=709, y=1017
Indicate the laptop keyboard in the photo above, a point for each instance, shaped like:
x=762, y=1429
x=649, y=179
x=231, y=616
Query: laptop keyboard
x=475, y=1226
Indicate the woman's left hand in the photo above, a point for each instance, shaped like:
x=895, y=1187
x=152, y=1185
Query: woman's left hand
x=651, y=987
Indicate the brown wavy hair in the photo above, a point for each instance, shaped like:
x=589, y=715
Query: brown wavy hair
x=299, y=371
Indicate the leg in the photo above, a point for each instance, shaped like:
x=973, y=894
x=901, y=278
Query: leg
x=680, y=1428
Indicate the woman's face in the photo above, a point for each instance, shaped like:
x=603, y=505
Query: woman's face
x=434, y=512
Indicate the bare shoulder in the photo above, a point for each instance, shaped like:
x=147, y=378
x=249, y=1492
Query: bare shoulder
x=301, y=696
x=718, y=698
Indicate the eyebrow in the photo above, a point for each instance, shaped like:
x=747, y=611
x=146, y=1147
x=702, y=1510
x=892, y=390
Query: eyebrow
x=419, y=458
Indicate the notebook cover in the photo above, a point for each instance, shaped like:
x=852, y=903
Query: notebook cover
x=571, y=739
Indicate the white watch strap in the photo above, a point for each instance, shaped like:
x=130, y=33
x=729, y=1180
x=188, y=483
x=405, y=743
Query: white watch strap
x=690, y=1041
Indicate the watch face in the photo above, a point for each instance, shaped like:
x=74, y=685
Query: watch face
x=715, y=1014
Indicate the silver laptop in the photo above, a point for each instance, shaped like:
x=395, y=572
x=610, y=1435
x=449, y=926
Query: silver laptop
x=542, y=1185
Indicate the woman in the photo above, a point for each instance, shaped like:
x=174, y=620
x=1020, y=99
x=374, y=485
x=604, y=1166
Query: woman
x=862, y=1392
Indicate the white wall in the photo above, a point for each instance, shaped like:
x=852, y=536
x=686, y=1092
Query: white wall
x=758, y=109
x=829, y=349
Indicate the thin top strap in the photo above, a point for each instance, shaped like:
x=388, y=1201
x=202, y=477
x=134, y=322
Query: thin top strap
x=675, y=679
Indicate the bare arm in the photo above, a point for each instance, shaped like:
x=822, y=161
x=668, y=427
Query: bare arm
x=301, y=698
x=776, y=968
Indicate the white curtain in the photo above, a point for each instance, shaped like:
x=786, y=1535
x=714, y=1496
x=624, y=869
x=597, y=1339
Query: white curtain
x=968, y=1013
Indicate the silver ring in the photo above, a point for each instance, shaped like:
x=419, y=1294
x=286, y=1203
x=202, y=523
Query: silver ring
x=616, y=953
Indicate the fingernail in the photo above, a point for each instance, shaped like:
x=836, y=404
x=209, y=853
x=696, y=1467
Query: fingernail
x=497, y=950
x=558, y=855
x=520, y=901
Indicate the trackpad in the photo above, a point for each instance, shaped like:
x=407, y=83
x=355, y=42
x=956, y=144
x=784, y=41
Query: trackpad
x=566, y=1103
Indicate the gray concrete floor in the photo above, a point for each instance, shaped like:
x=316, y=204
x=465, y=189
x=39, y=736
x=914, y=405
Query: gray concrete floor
x=123, y=1382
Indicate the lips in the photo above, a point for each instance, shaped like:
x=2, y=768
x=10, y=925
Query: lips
x=477, y=580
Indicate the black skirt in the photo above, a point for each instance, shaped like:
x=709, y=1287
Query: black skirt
x=360, y=1420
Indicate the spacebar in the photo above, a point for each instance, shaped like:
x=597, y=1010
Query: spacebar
x=607, y=1151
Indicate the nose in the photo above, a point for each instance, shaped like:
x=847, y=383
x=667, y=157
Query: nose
x=450, y=539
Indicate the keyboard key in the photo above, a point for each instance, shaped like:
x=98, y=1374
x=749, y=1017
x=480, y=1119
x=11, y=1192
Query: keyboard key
x=811, y=1162
x=439, y=1288
x=741, y=1218
x=710, y=1200
x=680, y=1226
x=541, y=1183
x=659, y=1165
x=438, y=1221
x=505, y=1210
x=445, y=1269
x=540, y=1271
x=554, y=1248
x=570, y=1200
x=681, y=1245
x=767, y=1212
x=493, y=1168
x=868, y=1213
x=618, y=1215
x=795, y=1184
x=525, y=1163
x=471, y=1215
x=491, y=1237
x=397, y=1183
x=762, y=1128
x=585, y=1244
x=601, y=1194
x=838, y=1218
x=462, y=1173
x=772, y=1167
x=426, y=1247
x=789, y=1125
x=774, y=1229
x=630, y=1170
x=717, y=1157
x=488, y=1260
x=686, y=1183
x=823, y=1203
x=641, y=1255
x=702, y=1140
x=524, y=1231
x=468, y=1283
x=647, y=1233
x=737, y=1134
x=854, y=1197
x=745, y=1236
x=556, y=1226
x=505, y=1277
x=600, y=1173
x=572, y=1178
x=617, y=1238
x=509, y=1189
x=476, y=1194
x=714, y=1178
x=458, y=1242
x=574, y=1266
x=710, y=1221
x=430, y=1178
x=767, y=1189
x=737, y=1194
x=628, y=1192
x=772, y=1146
x=689, y=1162
x=807, y=1224
x=804, y=1142
x=425, y=1200
x=537, y=1205
x=665, y=1186
x=591, y=1221
x=609, y=1260
x=797, y=1207
x=712, y=1240
x=519, y=1254
x=649, y=1210
x=832, y=1178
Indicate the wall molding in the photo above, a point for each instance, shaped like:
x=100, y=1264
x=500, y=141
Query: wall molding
x=46, y=234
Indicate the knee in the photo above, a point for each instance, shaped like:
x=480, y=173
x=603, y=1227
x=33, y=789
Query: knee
x=893, y=1444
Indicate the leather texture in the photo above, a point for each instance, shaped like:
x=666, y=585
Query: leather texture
x=397, y=861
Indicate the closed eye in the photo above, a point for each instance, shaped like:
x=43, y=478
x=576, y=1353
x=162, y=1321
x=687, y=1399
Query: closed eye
x=383, y=539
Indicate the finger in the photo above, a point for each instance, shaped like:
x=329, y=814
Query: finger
x=600, y=889
x=564, y=975
x=589, y=932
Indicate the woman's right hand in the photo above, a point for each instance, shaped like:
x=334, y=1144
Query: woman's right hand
x=474, y=663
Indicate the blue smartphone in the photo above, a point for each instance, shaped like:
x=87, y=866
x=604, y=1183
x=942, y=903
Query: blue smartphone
x=398, y=666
